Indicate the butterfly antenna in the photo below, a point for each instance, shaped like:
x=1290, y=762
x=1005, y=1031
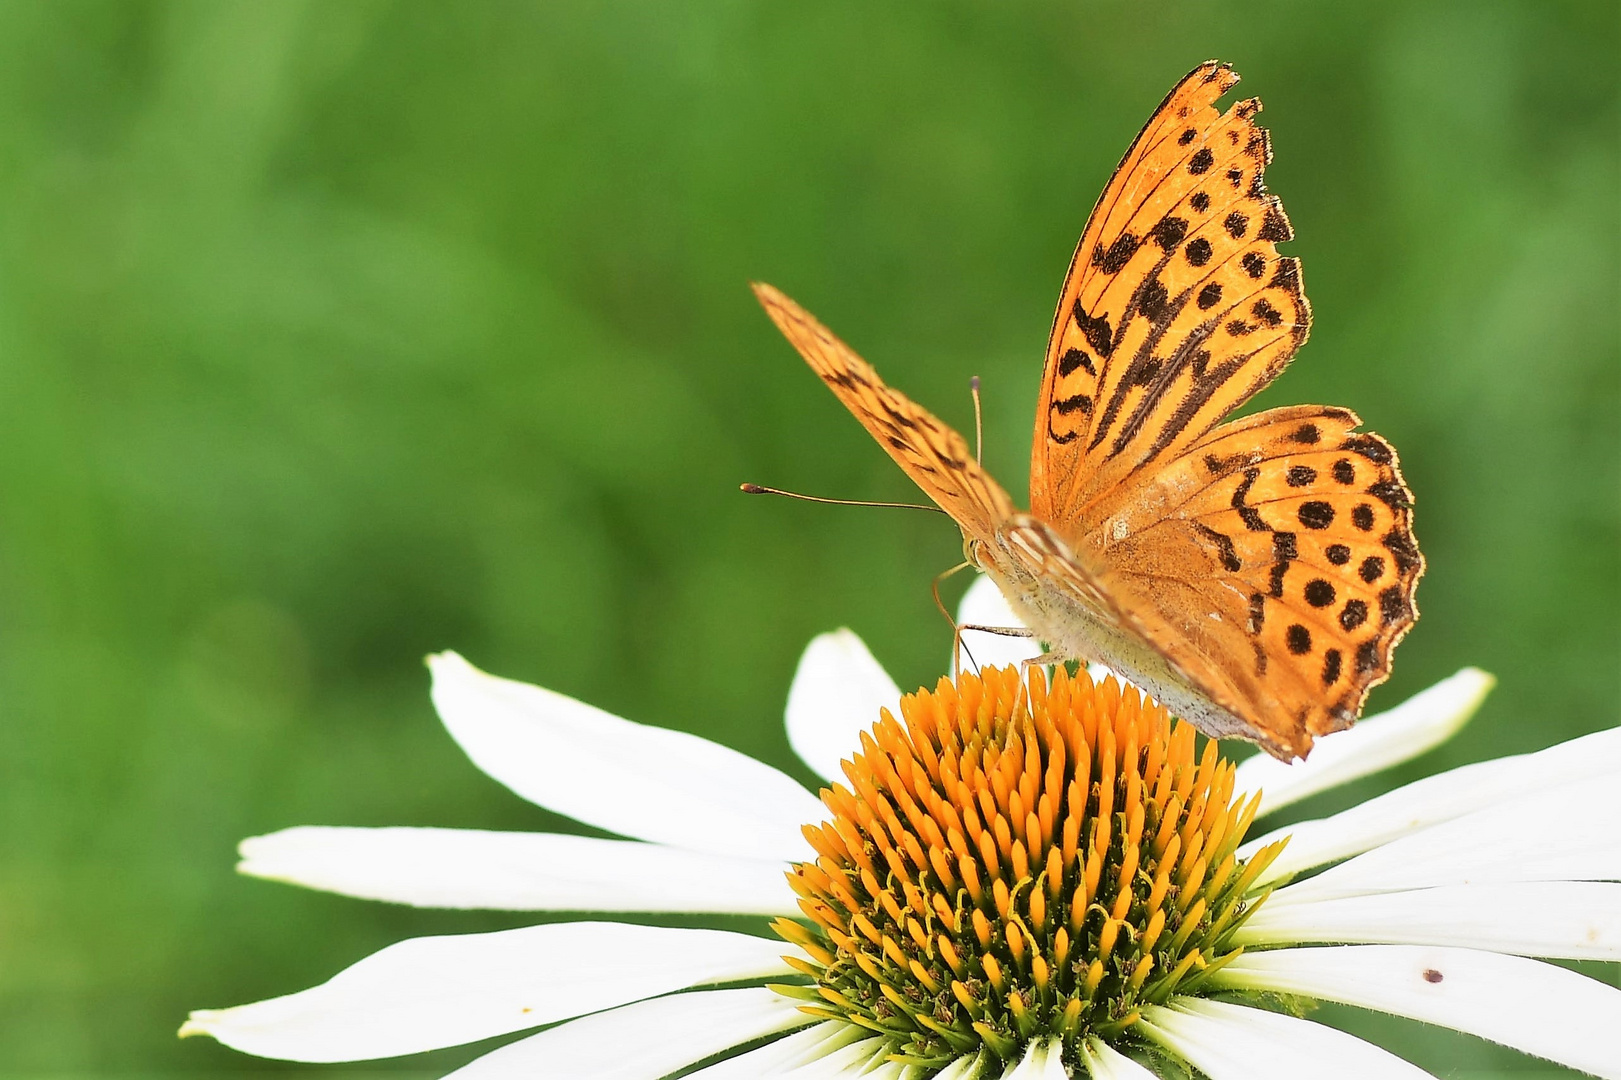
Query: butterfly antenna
x=756, y=489
x=979, y=424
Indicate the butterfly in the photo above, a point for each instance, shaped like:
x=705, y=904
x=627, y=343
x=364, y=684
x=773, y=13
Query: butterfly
x=1253, y=575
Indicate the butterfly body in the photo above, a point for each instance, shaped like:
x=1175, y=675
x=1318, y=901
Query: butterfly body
x=1078, y=621
x=1254, y=574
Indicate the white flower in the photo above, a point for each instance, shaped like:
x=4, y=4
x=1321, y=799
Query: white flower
x=1428, y=902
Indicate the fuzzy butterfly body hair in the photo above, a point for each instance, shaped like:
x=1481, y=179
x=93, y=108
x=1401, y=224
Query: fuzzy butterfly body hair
x=1253, y=575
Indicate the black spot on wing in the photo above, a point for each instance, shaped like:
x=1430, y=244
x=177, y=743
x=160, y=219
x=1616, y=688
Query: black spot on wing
x=1306, y=434
x=1257, y=612
x=1201, y=161
x=1402, y=549
x=1079, y=403
x=1119, y=254
x=1316, y=514
x=1210, y=296
x=1266, y=313
x=895, y=418
x=1286, y=275
x=1344, y=471
x=1367, y=657
x=1236, y=225
x=1301, y=475
x=1319, y=593
x=1252, y=519
x=1299, y=639
x=1391, y=494
x=1338, y=554
x=1353, y=614
x=1096, y=330
x=1274, y=226
x=1151, y=301
x=1362, y=516
x=1372, y=569
x=1170, y=232
x=1073, y=359
x=1224, y=547
x=1331, y=667
x=1198, y=251
x=1393, y=604
x=1186, y=137
x=1254, y=264
x=1200, y=201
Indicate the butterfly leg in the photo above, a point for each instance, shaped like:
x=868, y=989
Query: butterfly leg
x=1001, y=631
x=959, y=646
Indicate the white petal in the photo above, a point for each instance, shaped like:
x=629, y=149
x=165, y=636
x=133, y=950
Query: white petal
x=646, y=782
x=967, y=1067
x=1043, y=1060
x=984, y=605
x=1566, y=833
x=1439, y=798
x=1571, y=920
x=510, y=871
x=1422, y=722
x=856, y=1059
x=785, y=1054
x=645, y=1040
x=835, y=696
x=431, y=992
x=1104, y=1062
x=1534, y=1007
x=1236, y=1042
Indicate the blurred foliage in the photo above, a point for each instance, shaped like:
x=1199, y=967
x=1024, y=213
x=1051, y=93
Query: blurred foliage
x=336, y=332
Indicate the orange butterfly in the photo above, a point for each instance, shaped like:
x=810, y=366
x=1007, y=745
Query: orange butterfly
x=1254, y=576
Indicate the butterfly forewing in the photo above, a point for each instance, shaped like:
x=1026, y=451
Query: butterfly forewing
x=932, y=454
x=1177, y=307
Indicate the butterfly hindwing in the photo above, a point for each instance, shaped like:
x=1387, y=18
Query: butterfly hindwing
x=1177, y=307
x=930, y=452
x=1282, y=546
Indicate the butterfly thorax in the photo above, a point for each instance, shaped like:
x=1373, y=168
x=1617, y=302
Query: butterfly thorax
x=1078, y=621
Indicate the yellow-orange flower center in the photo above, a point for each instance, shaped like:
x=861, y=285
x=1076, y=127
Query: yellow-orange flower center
x=1012, y=861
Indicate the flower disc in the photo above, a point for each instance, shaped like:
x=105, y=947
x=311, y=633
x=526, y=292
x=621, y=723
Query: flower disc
x=1011, y=862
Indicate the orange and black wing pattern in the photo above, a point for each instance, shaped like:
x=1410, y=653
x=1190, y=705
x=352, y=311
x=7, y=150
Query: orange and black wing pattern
x=1281, y=548
x=1177, y=307
x=931, y=453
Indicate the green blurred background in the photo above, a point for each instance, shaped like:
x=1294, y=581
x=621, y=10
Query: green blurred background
x=332, y=333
